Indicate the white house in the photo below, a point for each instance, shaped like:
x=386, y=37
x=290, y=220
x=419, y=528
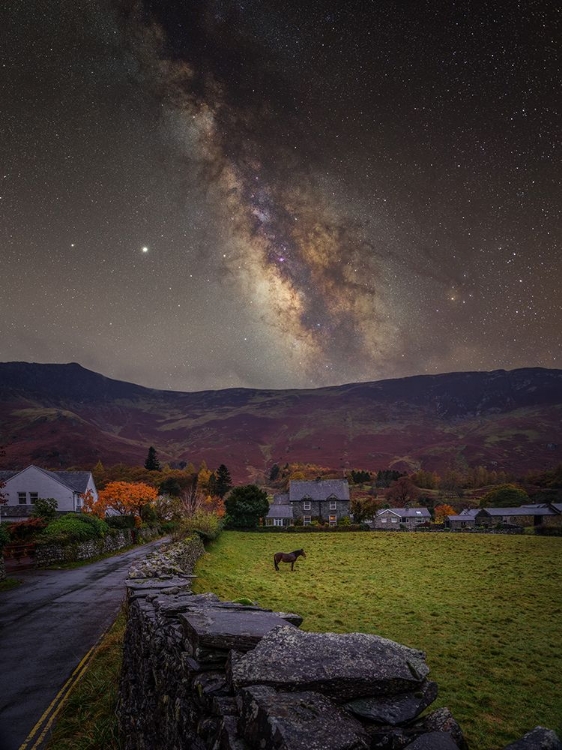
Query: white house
x=22, y=488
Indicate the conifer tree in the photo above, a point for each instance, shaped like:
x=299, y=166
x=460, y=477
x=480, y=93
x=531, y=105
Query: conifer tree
x=152, y=463
x=223, y=482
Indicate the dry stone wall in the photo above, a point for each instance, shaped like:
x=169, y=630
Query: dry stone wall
x=201, y=673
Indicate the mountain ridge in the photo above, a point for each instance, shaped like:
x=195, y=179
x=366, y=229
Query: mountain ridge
x=65, y=415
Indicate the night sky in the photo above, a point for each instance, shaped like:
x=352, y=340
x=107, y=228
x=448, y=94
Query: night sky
x=278, y=193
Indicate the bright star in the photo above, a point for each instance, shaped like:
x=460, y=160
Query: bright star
x=145, y=249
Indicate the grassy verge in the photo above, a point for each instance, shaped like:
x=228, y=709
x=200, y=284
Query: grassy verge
x=87, y=720
x=485, y=608
x=9, y=583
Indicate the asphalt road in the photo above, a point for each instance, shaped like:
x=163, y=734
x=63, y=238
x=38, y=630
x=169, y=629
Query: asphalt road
x=47, y=625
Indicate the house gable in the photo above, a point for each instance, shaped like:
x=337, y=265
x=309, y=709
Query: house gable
x=23, y=488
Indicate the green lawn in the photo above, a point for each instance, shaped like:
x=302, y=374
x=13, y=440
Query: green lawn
x=486, y=609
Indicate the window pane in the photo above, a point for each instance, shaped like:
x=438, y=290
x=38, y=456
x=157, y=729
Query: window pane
x=22, y=498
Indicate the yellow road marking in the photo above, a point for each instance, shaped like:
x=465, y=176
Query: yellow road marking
x=50, y=714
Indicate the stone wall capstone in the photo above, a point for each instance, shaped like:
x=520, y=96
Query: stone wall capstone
x=203, y=674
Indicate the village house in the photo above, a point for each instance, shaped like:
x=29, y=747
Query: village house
x=323, y=500
x=392, y=518
x=465, y=520
x=545, y=514
x=23, y=488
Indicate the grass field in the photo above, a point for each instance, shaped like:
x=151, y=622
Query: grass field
x=486, y=609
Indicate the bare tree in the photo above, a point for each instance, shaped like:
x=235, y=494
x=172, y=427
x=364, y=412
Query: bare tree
x=191, y=498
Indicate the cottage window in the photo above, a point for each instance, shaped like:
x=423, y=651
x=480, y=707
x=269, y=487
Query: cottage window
x=333, y=504
x=383, y=520
x=306, y=505
x=22, y=498
x=33, y=497
x=306, y=520
x=333, y=519
x=278, y=522
x=393, y=519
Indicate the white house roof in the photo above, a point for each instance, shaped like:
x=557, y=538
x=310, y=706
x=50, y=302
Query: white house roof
x=321, y=489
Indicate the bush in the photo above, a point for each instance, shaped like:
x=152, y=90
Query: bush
x=45, y=508
x=120, y=522
x=207, y=525
x=25, y=531
x=74, y=527
x=4, y=537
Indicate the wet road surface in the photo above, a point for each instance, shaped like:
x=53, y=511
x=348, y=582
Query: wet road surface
x=47, y=625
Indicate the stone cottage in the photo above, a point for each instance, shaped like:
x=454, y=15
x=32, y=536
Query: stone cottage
x=323, y=500
x=391, y=518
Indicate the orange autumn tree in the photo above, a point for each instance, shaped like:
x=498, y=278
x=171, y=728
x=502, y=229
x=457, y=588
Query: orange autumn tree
x=125, y=498
x=442, y=511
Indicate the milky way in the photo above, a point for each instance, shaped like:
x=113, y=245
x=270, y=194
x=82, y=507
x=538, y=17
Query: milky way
x=267, y=194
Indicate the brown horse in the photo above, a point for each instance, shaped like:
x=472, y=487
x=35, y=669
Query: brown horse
x=288, y=557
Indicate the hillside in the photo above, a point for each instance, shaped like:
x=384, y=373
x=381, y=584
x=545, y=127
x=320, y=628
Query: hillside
x=64, y=415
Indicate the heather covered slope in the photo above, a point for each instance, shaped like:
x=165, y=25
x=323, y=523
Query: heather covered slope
x=64, y=415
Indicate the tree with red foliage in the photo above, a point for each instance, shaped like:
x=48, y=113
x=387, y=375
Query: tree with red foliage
x=125, y=498
x=403, y=492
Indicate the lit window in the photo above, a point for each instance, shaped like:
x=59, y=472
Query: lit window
x=333, y=519
x=22, y=498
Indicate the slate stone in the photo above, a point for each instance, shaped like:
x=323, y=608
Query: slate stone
x=297, y=721
x=228, y=737
x=224, y=706
x=395, y=709
x=213, y=627
x=347, y=666
x=433, y=741
x=538, y=738
x=442, y=720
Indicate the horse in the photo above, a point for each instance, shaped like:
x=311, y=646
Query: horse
x=288, y=557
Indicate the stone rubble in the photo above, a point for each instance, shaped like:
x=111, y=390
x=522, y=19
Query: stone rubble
x=202, y=674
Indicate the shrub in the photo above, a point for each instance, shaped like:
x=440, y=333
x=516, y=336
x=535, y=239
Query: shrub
x=4, y=537
x=120, y=522
x=25, y=531
x=74, y=527
x=207, y=525
x=45, y=508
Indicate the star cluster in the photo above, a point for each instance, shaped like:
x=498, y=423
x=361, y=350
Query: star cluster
x=280, y=194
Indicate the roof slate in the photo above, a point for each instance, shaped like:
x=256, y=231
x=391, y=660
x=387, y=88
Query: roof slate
x=280, y=511
x=408, y=512
x=521, y=511
x=319, y=490
x=77, y=481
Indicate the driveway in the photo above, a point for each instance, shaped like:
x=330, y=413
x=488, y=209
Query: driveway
x=47, y=625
